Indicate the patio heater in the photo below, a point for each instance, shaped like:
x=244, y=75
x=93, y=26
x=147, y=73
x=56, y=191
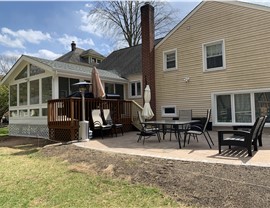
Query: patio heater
x=84, y=125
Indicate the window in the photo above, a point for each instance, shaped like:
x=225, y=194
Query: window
x=34, y=70
x=46, y=89
x=214, y=56
x=34, y=112
x=23, y=113
x=118, y=89
x=66, y=86
x=135, y=89
x=170, y=60
x=224, y=108
x=109, y=88
x=23, y=93
x=262, y=104
x=22, y=74
x=241, y=107
x=13, y=95
x=13, y=113
x=168, y=111
x=44, y=111
x=34, y=92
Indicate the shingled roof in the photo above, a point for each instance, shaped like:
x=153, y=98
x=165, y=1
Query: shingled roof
x=73, y=57
x=75, y=68
x=79, y=56
x=125, y=61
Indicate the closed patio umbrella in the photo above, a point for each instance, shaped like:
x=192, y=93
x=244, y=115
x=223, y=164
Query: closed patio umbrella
x=97, y=87
x=147, y=112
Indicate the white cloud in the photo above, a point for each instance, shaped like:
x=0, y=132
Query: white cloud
x=17, y=39
x=88, y=24
x=12, y=43
x=15, y=53
x=88, y=5
x=46, y=54
x=66, y=40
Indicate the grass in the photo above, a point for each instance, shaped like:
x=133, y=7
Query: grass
x=4, y=131
x=30, y=180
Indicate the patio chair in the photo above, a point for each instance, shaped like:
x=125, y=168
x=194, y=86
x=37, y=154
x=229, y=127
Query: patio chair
x=197, y=129
x=184, y=115
x=98, y=122
x=241, y=138
x=147, y=130
x=260, y=132
x=108, y=120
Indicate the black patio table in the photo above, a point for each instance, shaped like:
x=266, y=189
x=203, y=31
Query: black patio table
x=176, y=123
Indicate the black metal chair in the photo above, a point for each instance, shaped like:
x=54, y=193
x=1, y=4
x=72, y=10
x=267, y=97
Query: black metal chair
x=146, y=130
x=241, y=138
x=108, y=119
x=196, y=130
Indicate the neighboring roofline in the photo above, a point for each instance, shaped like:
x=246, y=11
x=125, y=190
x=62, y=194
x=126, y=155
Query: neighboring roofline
x=237, y=3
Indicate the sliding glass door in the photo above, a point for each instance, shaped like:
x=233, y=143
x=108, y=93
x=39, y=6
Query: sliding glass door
x=241, y=108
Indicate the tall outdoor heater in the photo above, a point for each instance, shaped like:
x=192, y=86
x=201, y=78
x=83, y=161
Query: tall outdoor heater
x=84, y=125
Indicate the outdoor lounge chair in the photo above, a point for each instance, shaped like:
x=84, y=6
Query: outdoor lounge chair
x=146, y=130
x=98, y=122
x=196, y=130
x=108, y=120
x=241, y=138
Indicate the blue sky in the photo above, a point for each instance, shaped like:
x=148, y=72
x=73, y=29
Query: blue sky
x=47, y=28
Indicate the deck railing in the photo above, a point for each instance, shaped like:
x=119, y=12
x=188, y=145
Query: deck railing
x=64, y=115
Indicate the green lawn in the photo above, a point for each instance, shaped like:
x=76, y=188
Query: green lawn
x=4, y=131
x=29, y=180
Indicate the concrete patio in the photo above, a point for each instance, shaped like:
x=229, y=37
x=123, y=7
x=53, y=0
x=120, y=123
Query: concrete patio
x=195, y=151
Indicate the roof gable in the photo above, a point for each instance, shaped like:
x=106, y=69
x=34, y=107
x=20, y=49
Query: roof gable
x=63, y=67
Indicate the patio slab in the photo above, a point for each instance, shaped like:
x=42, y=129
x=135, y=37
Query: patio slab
x=195, y=151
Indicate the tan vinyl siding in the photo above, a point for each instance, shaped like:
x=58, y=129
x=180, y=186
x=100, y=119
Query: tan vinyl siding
x=246, y=35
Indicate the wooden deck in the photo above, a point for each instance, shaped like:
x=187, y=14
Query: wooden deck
x=64, y=115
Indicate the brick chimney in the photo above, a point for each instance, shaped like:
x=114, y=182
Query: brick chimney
x=148, y=51
x=73, y=46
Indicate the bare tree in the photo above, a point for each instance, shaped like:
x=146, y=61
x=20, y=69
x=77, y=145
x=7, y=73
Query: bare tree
x=3, y=100
x=123, y=18
x=6, y=62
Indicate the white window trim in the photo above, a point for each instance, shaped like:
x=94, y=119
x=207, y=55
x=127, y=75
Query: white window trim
x=163, y=114
x=165, y=60
x=129, y=89
x=222, y=41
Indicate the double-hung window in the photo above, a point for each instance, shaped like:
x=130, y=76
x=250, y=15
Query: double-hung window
x=170, y=60
x=214, y=56
x=135, y=89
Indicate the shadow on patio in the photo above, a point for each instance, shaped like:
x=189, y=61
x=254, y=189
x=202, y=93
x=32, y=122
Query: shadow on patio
x=195, y=151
